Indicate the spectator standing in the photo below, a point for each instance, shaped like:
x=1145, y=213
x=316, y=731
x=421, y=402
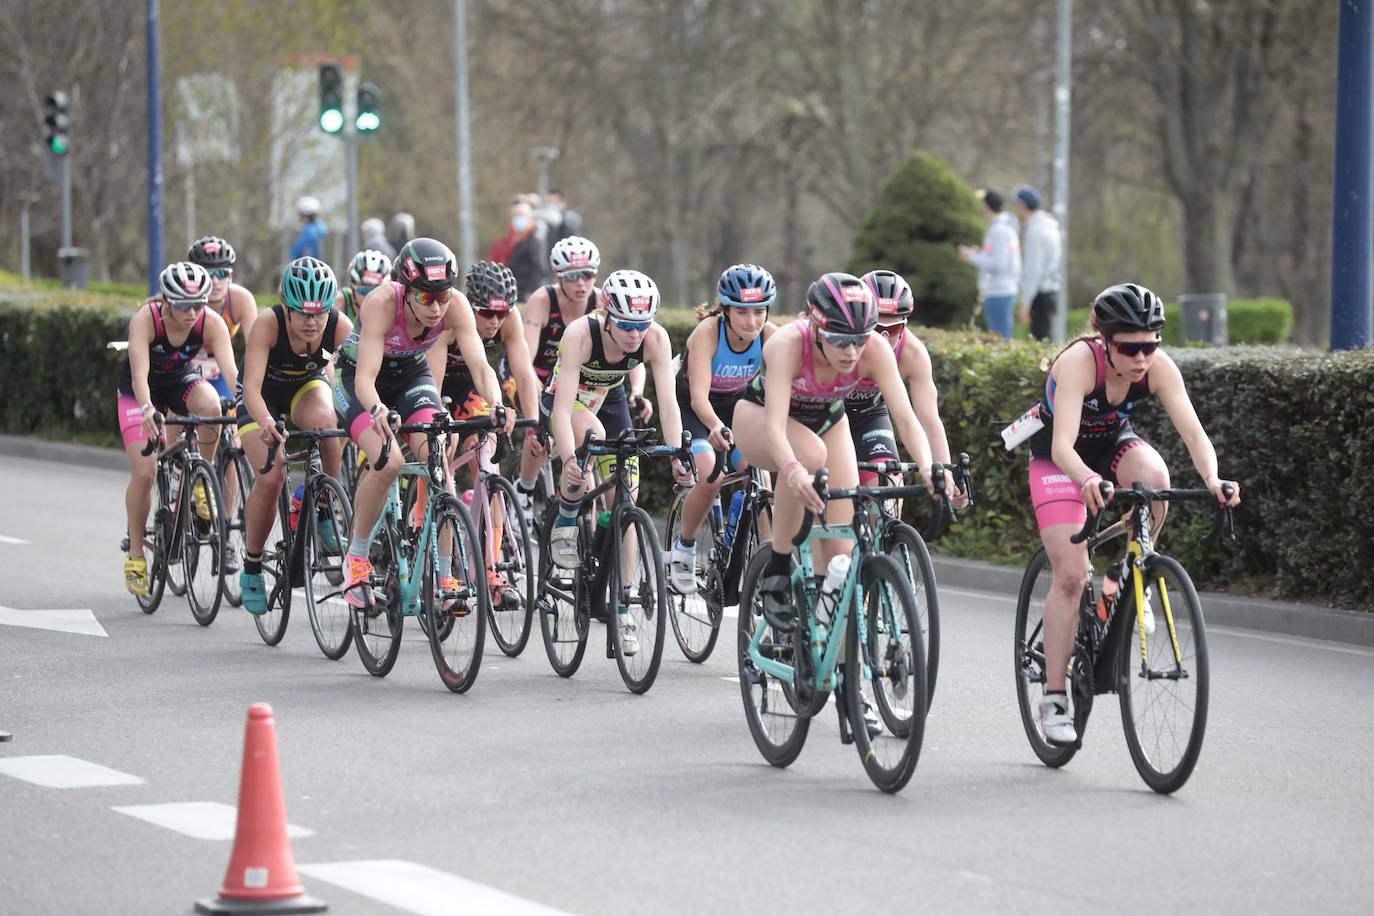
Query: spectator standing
x=374, y=237
x=529, y=254
x=400, y=231
x=310, y=242
x=562, y=222
x=1041, y=249
x=998, y=263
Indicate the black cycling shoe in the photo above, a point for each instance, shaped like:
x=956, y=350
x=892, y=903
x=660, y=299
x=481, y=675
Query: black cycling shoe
x=778, y=610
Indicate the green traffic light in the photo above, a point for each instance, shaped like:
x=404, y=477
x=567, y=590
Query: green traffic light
x=331, y=120
x=59, y=145
x=368, y=121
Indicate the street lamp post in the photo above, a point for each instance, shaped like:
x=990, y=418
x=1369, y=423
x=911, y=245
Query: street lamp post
x=545, y=155
x=25, y=198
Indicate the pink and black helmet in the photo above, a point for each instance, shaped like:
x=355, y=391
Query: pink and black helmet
x=840, y=303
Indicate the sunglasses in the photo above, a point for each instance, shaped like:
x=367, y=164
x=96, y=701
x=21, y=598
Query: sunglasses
x=491, y=313
x=221, y=273
x=842, y=341
x=1136, y=349
x=633, y=325
x=187, y=306
x=582, y=274
x=425, y=297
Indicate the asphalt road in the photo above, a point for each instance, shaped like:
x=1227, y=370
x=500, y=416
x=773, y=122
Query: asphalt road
x=577, y=796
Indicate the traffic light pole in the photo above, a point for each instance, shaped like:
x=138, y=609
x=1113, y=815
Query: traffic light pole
x=66, y=166
x=350, y=141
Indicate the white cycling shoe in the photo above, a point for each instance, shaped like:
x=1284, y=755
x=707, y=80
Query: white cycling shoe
x=563, y=546
x=1055, y=720
x=682, y=572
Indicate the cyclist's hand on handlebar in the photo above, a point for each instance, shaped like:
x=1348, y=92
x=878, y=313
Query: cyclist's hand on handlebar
x=641, y=409
x=539, y=446
x=149, y=424
x=571, y=479
x=381, y=422
x=1096, y=493
x=803, y=483
x=720, y=438
x=508, y=418
x=682, y=473
x=958, y=498
x=1215, y=486
x=271, y=436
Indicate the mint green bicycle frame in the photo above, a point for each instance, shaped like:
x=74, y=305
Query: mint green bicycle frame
x=411, y=576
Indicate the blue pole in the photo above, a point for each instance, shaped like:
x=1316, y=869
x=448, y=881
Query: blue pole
x=1352, y=199
x=155, y=264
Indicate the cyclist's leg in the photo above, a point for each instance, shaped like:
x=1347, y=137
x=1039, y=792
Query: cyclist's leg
x=874, y=440
x=530, y=463
x=312, y=407
x=138, y=496
x=703, y=494
x=261, y=505
x=1136, y=461
x=841, y=463
x=372, y=487
x=199, y=397
x=563, y=539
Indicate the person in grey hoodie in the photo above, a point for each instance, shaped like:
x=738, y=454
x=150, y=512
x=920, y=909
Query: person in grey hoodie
x=998, y=263
x=1040, y=255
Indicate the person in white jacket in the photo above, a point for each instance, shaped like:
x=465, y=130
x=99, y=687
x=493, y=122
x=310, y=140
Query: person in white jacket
x=998, y=263
x=1040, y=254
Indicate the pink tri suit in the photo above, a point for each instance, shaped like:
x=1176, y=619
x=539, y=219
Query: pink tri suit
x=171, y=376
x=817, y=407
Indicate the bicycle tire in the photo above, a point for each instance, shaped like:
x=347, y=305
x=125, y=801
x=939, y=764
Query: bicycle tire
x=1149, y=698
x=155, y=533
x=696, y=618
x=327, y=508
x=203, y=543
x=907, y=549
x=349, y=470
x=651, y=600
x=276, y=574
x=377, y=630
x=1028, y=658
x=232, y=466
x=173, y=568
x=510, y=626
x=778, y=730
x=563, y=624
x=457, y=634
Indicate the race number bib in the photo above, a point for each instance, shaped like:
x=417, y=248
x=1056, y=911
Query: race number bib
x=590, y=398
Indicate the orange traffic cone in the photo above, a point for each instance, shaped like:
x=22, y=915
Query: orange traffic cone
x=261, y=877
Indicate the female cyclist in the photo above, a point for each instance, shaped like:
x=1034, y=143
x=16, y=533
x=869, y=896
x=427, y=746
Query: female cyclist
x=232, y=302
x=366, y=272
x=1094, y=384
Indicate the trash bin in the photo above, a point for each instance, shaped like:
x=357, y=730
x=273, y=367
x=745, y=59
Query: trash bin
x=74, y=267
x=1204, y=317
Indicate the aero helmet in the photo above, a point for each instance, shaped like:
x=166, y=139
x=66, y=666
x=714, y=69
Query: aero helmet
x=892, y=294
x=629, y=295
x=841, y=303
x=212, y=251
x=426, y=265
x=746, y=286
x=368, y=268
x=183, y=281
x=574, y=253
x=308, y=285
x=490, y=285
x=1128, y=307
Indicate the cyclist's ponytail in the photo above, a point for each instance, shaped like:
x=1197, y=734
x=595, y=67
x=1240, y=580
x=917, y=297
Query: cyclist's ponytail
x=1089, y=332
x=707, y=309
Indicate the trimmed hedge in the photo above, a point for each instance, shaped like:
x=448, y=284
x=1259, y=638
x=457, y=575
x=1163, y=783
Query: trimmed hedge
x=1256, y=322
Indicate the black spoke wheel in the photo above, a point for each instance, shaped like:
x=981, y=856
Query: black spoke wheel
x=637, y=598
x=276, y=574
x=890, y=663
x=203, y=541
x=562, y=604
x=908, y=551
x=457, y=616
x=778, y=729
x=1029, y=658
x=156, y=537
x=1164, y=694
x=324, y=533
x=696, y=617
x=236, y=480
x=511, y=571
x=377, y=630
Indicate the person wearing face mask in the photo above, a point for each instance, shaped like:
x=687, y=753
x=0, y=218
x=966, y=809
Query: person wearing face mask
x=529, y=254
x=1093, y=386
x=164, y=335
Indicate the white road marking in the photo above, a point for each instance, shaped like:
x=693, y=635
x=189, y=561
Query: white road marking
x=1280, y=638
x=58, y=771
x=4, y=539
x=422, y=890
x=67, y=620
x=199, y=820
x=732, y=678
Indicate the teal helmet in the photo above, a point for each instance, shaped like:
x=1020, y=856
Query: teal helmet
x=308, y=285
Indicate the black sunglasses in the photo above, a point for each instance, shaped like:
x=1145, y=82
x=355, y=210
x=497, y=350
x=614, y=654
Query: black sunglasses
x=1136, y=349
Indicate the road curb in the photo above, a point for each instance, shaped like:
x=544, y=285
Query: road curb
x=1288, y=618
x=92, y=456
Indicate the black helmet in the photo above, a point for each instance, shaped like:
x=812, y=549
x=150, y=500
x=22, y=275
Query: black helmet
x=841, y=304
x=490, y=285
x=1127, y=307
x=427, y=265
x=892, y=293
x=212, y=251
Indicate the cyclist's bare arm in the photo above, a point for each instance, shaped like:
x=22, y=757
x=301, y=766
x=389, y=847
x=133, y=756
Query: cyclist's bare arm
x=698, y=353
x=521, y=364
x=140, y=338
x=245, y=308
x=880, y=364
x=260, y=342
x=376, y=315
x=1166, y=382
x=217, y=342
x=916, y=370
x=535, y=318
x=576, y=349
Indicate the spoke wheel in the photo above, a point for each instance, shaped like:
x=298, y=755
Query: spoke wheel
x=173, y=568
x=276, y=574
x=696, y=617
x=563, y=618
x=889, y=662
x=457, y=617
x=203, y=543
x=1029, y=658
x=908, y=551
x=1164, y=703
x=777, y=728
x=324, y=539
x=155, y=538
x=511, y=565
x=637, y=593
x=236, y=480
x=377, y=630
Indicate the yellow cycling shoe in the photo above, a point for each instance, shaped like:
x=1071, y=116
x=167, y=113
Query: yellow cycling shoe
x=201, y=501
x=136, y=576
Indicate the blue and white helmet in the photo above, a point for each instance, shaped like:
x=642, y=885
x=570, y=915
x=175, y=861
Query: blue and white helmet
x=746, y=286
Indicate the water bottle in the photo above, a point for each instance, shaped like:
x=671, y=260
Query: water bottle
x=732, y=520
x=603, y=522
x=715, y=514
x=1111, y=584
x=1022, y=428
x=173, y=480
x=835, y=574
x=296, y=506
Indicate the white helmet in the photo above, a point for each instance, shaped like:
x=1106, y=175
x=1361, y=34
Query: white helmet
x=629, y=295
x=185, y=281
x=308, y=206
x=574, y=253
x=369, y=267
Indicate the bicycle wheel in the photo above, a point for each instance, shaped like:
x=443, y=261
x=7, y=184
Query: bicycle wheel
x=636, y=590
x=276, y=574
x=890, y=661
x=155, y=539
x=1029, y=658
x=458, y=618
x=1164, y=703
x=696, y=617
x=778, y=730
x=377, y=630
x=324, y=540
x=563, y=604
x=202, y=541
x=174, y=569
x=907, y=549
x=235, y=479
x=511, y=566
x=348, y=469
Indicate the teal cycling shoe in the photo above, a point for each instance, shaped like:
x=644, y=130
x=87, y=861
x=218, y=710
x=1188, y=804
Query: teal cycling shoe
x=329, y=535
x=254, y=592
